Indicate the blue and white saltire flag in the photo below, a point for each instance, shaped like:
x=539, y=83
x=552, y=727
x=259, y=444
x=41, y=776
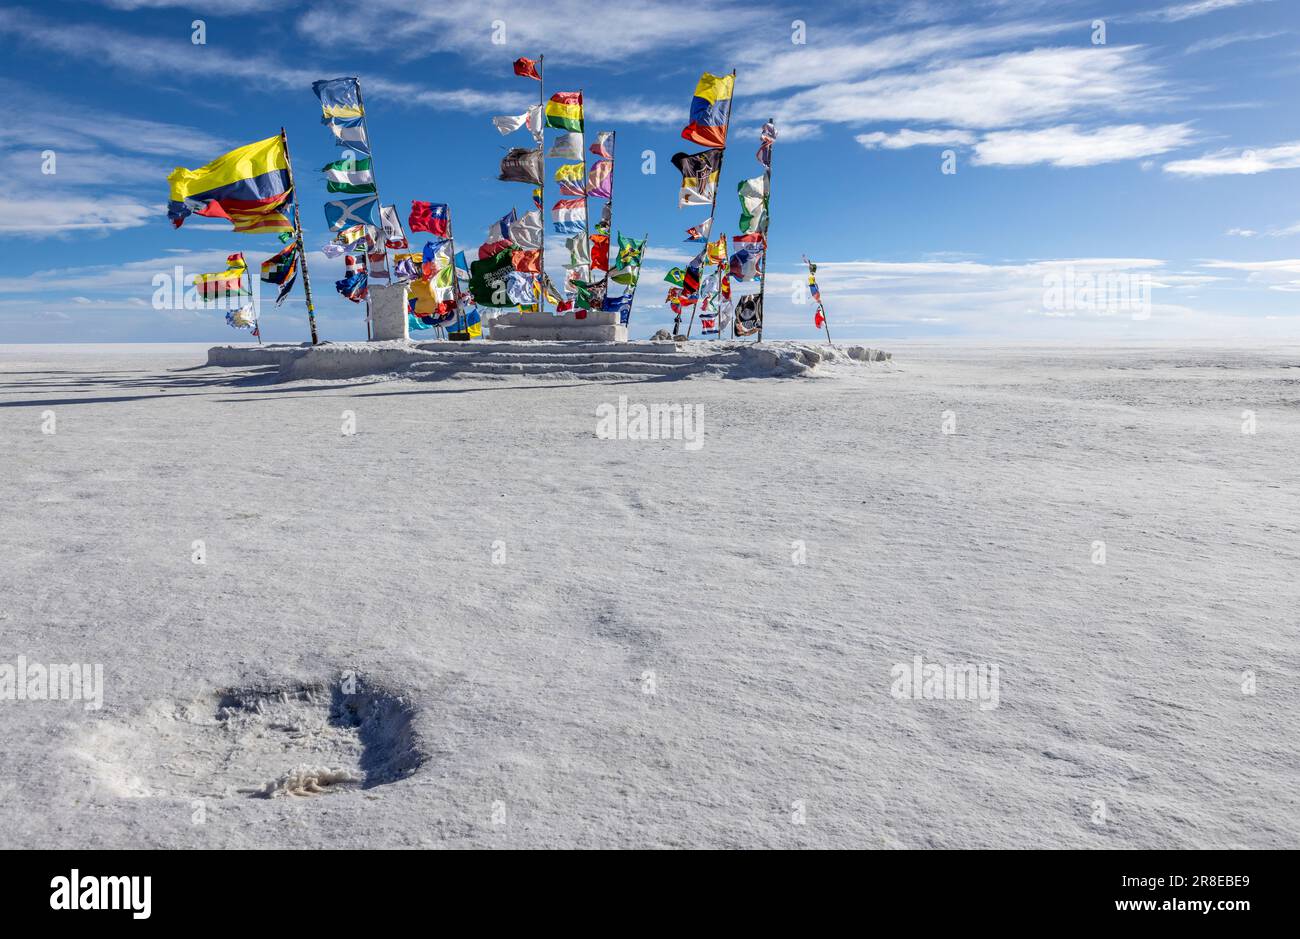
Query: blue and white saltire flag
x=350, y=133
x=345, y=213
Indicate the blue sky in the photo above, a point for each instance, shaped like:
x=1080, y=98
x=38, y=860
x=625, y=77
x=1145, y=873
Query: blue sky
x=1162, y=161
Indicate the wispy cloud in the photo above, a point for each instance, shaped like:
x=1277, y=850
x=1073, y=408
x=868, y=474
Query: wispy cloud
x=1007, y=90
x=1185, y=11
x=1240, y=162
x=1210, y=43
x=1068, y=145
x=55, y=215
x=905, y=138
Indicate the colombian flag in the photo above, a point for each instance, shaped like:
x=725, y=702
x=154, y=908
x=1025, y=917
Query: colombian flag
x=564, y=111
x=249, y=186
x=710, y=109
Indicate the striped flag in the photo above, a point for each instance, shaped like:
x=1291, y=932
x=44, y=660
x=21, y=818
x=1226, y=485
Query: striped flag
x=564, y=111
x=349, y=175
x=569, y=216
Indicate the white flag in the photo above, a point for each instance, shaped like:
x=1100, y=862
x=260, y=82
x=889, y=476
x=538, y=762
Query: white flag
x=509, y=123
x=567, y=147
x=526, y=232
x=394, y=236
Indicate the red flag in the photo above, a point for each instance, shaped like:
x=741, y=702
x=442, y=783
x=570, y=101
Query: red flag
x=490, y=248
x=600, y=252
x=431, y=217
x=527, y=68
x=819, y=320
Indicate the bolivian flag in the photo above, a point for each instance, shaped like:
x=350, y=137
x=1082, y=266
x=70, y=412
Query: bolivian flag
x=564, y=111
x=249, y=186
x=228, y=283
x=710, y=109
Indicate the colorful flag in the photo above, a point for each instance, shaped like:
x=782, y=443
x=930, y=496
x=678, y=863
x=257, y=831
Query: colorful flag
x=407, y=267
x=629, y=252
x=699, y=232
x=564, y=111
x=746, y=263
x=569, y=216
x=339, y=98
x=676, y=276
x=710, y=109
x=767, y=135
x=377, y=265
x=354, y=286
x=432, y=217
x=753, y=204
x=699, y=176
x=349, y=175
x=350, y=133
x=350, y=235
x=490, y=248
x=282, y=269
x=566, y=147
x=527, y=68
x=227, y=283
x=606, y=217
x=527, y=231
x=569, y=176
x=345, y=213
x=250, y=182
x=604, y=145
x=394, y=236
x=521, y=165
x=717, y=250
x=600, y=180
x=500, y=230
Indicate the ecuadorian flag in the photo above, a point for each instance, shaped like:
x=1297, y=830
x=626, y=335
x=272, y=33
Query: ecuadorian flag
x=709, y=110
x=564, y=111
x=249, y=186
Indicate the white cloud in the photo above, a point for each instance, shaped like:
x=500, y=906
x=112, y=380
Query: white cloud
x=1240, y=162
x=1186, y=11
x=148, y=55
x=1005, y=90
x=1241, y=232
x=1210, y=43
x=43, y=217
x=844, y=57
x=905, y=137
x=1067, y=145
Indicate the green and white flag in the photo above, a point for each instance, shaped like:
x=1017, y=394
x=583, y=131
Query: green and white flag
x=753, y=205
x=349, y=175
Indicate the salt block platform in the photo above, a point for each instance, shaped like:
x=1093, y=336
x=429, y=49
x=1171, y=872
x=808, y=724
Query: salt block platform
x=593, y=326
x=594, y=361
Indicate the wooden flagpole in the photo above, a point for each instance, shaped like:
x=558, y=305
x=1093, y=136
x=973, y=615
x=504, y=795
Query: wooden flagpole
x=767, y=218
x=302, y=250
x=726, y=134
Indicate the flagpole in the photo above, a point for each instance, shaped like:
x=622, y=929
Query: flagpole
x=586, y=225
x=455, y=279
x=541, y=190
x=826, y=323
x=302, y=250
x=374, y=181
x=610, y=233
x=636, y=283
x=726, y=135
x=767, y=220
x=257, y=303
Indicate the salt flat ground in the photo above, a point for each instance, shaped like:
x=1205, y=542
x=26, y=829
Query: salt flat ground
x=647, y=665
